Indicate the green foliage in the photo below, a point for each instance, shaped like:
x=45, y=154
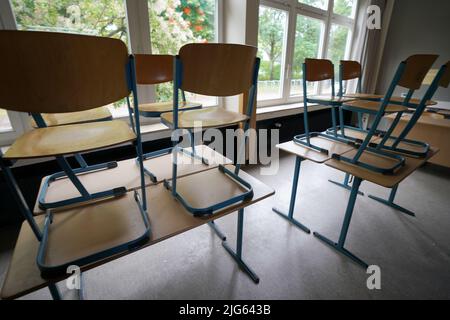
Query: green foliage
x=270, y=42
x=104, y=17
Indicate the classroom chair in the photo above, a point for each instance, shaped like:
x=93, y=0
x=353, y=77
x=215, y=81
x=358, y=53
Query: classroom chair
x=213, y=70
x=410, y=74
x=401, y=144
x=154, y=69
x=316, y=70
x=46, y=72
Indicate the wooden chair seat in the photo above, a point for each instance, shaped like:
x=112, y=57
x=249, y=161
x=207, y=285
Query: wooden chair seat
x=69, y=139
x=157, y=108
x=364, y=96
x=92, y=228
x=208, y=118
x=372, y=106
x=413, y=101
x=60, y=119
x=329, y=100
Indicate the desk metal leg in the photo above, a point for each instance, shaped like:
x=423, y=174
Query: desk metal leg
x=346, y=184
x=237, y=256
x=390, y=202
x=54, y=291
x=348, y=216
x=217, y=231
x=290, y=216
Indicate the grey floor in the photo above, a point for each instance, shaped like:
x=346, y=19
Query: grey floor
x=413, y=253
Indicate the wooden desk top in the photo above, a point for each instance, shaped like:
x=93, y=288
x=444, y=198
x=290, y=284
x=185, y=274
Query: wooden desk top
x=388, y=181
x=167, y=216
x=127, y=174
x=427, y=118
x=334, y=147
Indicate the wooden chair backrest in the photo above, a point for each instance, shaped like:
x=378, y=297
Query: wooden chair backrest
x=350, y=69
x=319, y=69
x=416, y=69
x=153, y=68
x=43, y=72
x=217, y=69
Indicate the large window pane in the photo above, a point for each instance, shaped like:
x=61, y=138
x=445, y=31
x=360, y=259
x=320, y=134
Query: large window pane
x=345, y=7
x=321, y=4
x=174, y=23
x=337, y=49
x=271, y=48
x=5, y=125
x=105, y=18
x=308, y=35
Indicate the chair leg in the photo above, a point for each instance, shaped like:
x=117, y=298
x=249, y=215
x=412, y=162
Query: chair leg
x=290, y=216
x=346, y=184
x=54, y=291
x=85, y=195
x=339, y=246
x=217, y=230
x=390, y=202
x=237, y=256
x=20, y=199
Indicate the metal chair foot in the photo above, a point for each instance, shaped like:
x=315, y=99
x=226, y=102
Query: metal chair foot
x=217, y=231
x=345, y=186
x=241, y=263
x=393, y=205
x=341, y=249
x=292, y=220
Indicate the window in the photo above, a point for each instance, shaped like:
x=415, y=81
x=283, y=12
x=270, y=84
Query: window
x=292, y=30
x=308, y=35
x=106, y=18
x=5, y=124
x=271, y=46
x=174, y=23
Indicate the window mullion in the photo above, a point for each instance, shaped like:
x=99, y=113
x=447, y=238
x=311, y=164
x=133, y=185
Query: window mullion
x=326, y=38
x=289, y=60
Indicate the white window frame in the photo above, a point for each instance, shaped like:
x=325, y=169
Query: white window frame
x=328, y=17
x=139, y=42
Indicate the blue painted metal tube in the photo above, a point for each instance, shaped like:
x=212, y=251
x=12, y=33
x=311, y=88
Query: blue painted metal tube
x=240, y=231
x=73, y=178
x=250, y=106
x=380, y=112
x=393, y=194
x=18, y=196
x=349, y=211
x=388, y=133
x=81, y=160
x=176, y=86
x=298, y=163
x=419, y=110
x=54, y=292
x=305, y=106
x=130, y=114
x=140, y=153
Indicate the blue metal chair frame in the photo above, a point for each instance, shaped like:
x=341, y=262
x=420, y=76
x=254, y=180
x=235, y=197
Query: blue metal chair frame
x=305, y=139
x=84, y=168
x=241, y=149
x=341, y=93
x=445, y=69
x=400, y=161
x=42, y=235
x=415, y=117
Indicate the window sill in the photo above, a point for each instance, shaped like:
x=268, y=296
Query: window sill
x=285, y=110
